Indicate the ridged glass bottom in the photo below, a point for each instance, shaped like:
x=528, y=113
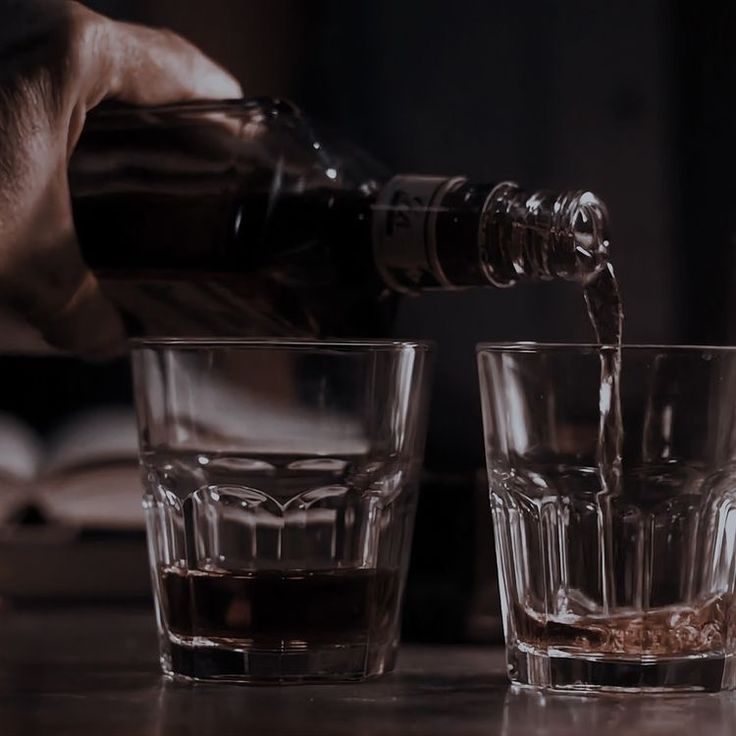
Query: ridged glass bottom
x=562, y=671
x=319, y=664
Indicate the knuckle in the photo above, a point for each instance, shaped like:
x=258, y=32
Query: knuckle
x=173, y=39
x=88, y=54
x=168, y=35
x=84, y=28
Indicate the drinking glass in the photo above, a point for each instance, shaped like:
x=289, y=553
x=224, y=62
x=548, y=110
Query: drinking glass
x=623, y=584
x=280, y=489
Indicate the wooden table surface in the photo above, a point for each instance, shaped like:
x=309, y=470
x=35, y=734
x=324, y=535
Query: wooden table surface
x=95, y=671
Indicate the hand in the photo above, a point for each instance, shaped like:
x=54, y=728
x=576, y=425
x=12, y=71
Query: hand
x=59, y=60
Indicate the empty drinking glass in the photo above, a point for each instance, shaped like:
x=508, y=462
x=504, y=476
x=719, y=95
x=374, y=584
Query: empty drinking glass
x=280, y=490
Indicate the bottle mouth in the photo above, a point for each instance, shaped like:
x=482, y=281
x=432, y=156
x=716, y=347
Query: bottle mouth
x=588, y=227
x=544, y=235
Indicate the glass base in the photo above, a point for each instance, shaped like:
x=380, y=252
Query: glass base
x=216, y=663
x=568, y=672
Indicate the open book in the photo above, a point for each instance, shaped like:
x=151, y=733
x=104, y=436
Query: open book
x=57, y=494
x=84, y=476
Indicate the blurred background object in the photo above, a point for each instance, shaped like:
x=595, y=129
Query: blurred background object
x=632, y=101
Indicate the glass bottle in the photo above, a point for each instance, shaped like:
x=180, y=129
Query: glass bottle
x=234, y=217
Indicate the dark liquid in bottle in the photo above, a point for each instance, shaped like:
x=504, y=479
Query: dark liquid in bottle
x=195, y=226
x=275, y=609
x=287, y=264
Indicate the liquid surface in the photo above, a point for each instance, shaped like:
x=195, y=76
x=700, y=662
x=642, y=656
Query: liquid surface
x=272, y=609
x=703, y=627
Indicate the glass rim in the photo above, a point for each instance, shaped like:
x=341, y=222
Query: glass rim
x=572, y=347
x=278, y=343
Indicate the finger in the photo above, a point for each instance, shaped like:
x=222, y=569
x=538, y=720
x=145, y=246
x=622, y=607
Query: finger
x=142, y=66
x=87, y=324
x=48, y=281
x=155, y=67
x=18, y=336
x=147, y=66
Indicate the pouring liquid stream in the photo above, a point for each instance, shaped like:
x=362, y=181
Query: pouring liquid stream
x=606, y=315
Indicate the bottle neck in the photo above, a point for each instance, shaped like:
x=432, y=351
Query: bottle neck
x=448, y=233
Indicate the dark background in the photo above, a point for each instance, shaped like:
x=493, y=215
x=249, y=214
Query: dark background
x=631, y=100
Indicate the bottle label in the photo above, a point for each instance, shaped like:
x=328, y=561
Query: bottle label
x=404, y=221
